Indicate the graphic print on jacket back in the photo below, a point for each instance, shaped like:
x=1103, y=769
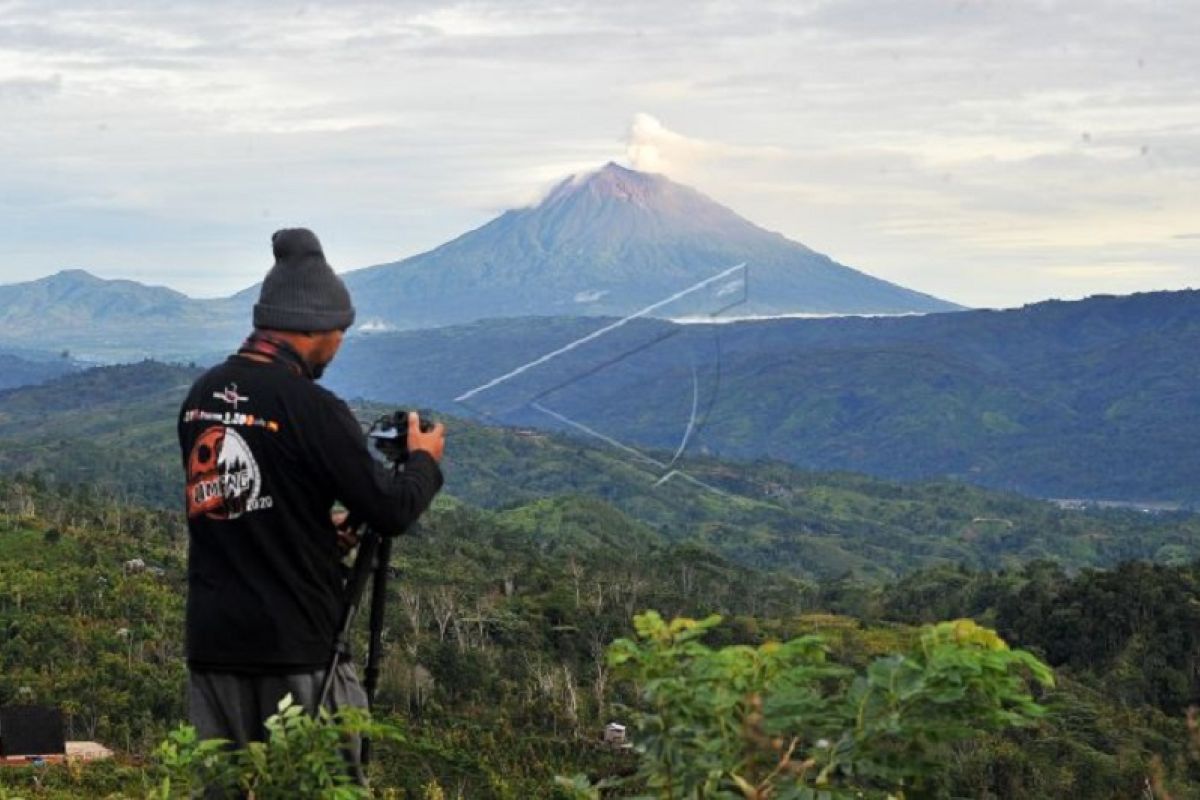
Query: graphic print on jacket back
x=223, y=478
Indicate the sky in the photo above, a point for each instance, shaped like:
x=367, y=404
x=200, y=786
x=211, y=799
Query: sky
x=992, y=153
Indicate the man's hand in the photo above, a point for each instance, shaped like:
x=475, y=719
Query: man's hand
x=347, y=534
x=433, y=442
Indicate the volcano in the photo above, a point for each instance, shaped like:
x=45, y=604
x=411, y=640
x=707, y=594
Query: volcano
x=607, y=243
x=610, y=243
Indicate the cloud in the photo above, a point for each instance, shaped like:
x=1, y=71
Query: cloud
x=26, y=89
x=1112, y=270
x=652, y=147
x=940, y=145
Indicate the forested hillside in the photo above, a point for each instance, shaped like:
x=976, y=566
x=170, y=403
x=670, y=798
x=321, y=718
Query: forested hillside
x=25, y=369
x=505, y=603
x=498, y=624
x=1089, y=399
x=114, y=428
x=111, y=428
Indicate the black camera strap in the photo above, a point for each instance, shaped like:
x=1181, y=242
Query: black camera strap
x=274, y=348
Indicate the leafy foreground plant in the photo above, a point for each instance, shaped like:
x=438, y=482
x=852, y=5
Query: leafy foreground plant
x=780, y=721
x=301, y=758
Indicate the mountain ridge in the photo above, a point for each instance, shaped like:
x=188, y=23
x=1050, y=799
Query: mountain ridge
x=102, y=319
x=606, y=243
x=609, y=243
x=1081, y=399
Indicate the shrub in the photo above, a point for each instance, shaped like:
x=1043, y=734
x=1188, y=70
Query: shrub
x=301, y=757
x=781, y=721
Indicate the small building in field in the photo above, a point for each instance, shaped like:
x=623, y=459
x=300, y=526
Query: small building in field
x=615, y=734
x=32, y=734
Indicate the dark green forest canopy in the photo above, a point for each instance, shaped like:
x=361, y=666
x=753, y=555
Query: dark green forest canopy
x=1092, y=399
x=1098, y=398
x=112, y=428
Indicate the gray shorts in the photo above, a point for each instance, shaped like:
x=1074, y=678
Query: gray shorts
x=224, y=705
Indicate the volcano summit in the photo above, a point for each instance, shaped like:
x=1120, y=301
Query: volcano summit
x=610, y=243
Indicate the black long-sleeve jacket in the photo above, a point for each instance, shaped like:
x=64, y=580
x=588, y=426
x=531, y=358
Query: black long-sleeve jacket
x=267, y=453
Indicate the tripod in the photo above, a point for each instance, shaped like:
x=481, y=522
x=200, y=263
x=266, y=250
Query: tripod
x=388, y=435
x=371, y=564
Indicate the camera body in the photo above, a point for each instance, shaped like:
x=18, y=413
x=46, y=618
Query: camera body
x=389, y=434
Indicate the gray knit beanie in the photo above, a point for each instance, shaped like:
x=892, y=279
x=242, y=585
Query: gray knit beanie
x=301, y=293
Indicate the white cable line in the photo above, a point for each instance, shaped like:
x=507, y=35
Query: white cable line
x=594, y=335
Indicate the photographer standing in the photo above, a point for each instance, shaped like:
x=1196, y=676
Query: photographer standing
x=267, y=452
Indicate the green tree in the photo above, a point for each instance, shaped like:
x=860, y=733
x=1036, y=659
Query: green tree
x=779, y=720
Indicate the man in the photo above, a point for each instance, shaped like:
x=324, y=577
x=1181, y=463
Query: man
x=267, y=453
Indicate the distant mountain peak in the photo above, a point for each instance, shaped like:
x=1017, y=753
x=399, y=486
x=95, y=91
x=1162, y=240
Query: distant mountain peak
x=610, y=241
x=80, y=279
x=612, y=181
x=74, y=275
x=87, y=313
x=613, y=177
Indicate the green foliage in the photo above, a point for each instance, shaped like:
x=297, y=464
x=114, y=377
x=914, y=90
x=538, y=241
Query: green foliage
x=779, y=720
x=110, y=780
x=301, y=757
x=1123, y=644
x=1133, y=631
x=111, y=633
x=498, y=622
x=186, y=765
x=109, y=428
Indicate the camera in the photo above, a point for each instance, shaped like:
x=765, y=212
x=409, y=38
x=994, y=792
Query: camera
x=389, y=434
